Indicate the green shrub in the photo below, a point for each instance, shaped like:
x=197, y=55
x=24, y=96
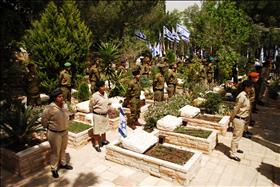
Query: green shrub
x=273, y=89
x=83, y=93
x=161, y=109
x=212, y=104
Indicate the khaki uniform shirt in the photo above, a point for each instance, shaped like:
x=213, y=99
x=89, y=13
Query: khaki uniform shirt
x=94, y=74
x=171, y=79
x=242, y=106
x=65, y=78
x=99, y=103
x=158, y=83
x=55, y=118
x=134, y=89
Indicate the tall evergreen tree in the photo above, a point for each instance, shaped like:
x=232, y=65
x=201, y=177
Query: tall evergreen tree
x=59, y=36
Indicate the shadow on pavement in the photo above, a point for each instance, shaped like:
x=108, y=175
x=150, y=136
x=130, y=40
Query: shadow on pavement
x=267, y=144
x=222, y=148
x=83, y=179
x=265, y=169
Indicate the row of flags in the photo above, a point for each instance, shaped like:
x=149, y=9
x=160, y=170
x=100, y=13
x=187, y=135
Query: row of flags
x=181, y=33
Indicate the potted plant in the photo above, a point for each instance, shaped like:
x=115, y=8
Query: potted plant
x=23, y=148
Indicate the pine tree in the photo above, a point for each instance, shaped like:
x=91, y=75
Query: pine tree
x=59, y=36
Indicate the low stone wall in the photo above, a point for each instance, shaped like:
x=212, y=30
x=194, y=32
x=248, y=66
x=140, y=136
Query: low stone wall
x=220, y=128
x=79, y=139
x=27, y=161
x=156, y=167
x=202, y=144
x=81, y=117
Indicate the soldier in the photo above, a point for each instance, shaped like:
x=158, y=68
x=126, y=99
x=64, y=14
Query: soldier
x=132, y=99
x=94, y=75
x=55, y=119
x=158, y=83
x=171, y=80
x=65, y=81
x=145, y=68
x=239, y=116
x=32, y=86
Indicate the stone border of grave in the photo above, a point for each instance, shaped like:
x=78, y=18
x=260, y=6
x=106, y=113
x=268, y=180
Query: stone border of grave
x=221, y=128
x=27, y=161
x=156, y=167
x=79, y=139
x=202, y=144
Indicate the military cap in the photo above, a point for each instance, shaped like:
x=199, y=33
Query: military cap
x=100, y=83
x=55, y=93
x=67, y=64
x=254, y=74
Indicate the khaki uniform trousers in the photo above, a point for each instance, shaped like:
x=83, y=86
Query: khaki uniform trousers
x=58, y=143
x=171, y=90
x=134, y=110
x=158, y=95
x=238, y=128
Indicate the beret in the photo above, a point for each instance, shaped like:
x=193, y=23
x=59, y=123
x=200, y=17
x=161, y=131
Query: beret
x=67, y=64
x=254, y=74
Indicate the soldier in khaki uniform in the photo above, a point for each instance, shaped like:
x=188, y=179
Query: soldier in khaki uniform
x=94, y=75
x=239, y=116
x=171, y=81
x=32, y=86
x=158, y=84
x=55, y=119
x=65, y=80
x=133, y=98
x=99, y=106
x=145, y=68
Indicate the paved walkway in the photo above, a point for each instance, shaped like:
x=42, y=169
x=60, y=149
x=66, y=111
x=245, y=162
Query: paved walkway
x=259, y=166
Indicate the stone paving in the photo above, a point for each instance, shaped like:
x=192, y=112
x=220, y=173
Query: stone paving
x=259, y=166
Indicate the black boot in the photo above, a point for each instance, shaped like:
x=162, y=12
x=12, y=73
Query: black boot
x=55, y=174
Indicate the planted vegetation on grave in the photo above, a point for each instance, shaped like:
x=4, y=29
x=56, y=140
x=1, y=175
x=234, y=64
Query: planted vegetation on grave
x=20, y=126
x=209, y=118
x=193, y=132
x=169, y=154
x=213, y=100
x=77, y=127
x=161, y=109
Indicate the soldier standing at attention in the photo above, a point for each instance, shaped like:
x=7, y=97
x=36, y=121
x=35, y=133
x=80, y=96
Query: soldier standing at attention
x=32, y=86
x=94, y=75
x=99, y=106
x=171, y=80
x=133, y=97
x=65, y=81
x=239, y=117
x=55, y=119
x=158, y=83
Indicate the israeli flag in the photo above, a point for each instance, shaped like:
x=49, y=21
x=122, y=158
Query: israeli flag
x=276, y=53
x=175, y=36
x=140, y=35
x=183, y=32
x=167, y=34
x=122, y=125
x=262, y=56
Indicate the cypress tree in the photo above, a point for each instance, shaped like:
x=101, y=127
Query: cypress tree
x=59, y=36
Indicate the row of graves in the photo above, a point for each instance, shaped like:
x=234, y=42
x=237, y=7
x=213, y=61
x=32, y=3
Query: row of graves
x=172, y=151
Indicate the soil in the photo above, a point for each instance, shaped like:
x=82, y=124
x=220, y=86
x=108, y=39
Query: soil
x=193, y=132
x=169, y=154
x=208, y=118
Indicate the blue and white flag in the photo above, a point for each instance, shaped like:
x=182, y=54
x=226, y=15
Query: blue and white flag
x=122, y=125
x=175, y=36
x=167, y=34
x=183, y=32
x=262, y=56
x=140, y=35
x=276, y=53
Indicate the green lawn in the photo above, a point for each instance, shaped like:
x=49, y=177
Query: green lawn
x=193, y=132
x=77, y=127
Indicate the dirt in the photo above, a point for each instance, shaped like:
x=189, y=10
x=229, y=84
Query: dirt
x=208, y=118
x=169, y=154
